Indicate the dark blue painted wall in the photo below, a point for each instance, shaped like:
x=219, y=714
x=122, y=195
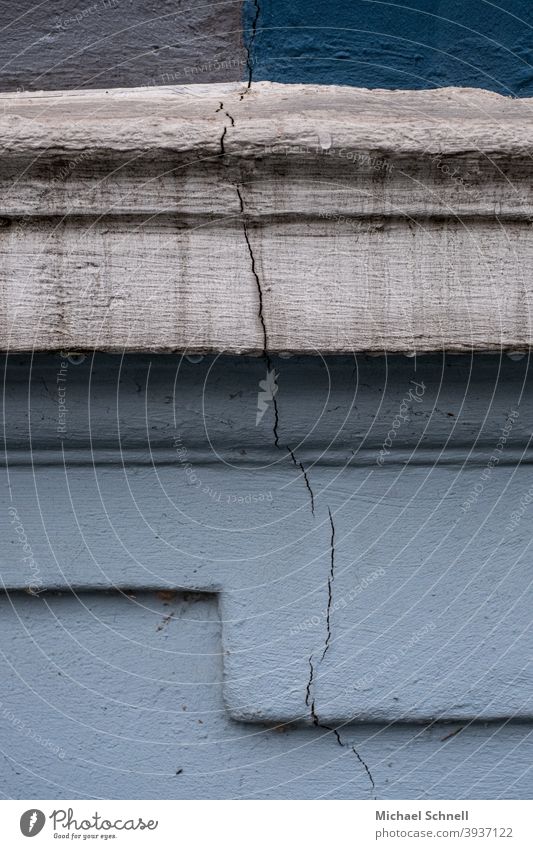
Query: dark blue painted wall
x=410, y=44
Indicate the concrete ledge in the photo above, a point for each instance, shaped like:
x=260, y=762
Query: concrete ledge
x=311, y=219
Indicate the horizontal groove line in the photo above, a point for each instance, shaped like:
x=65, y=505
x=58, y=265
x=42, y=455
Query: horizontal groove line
x=367, y=458
x=60, y=589
x=227, y=217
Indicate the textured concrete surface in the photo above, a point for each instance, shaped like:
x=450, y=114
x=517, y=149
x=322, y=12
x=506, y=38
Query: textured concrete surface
x=113, y=697
x=278, y=218
x=420, y=44
x=107, y=43
x=424, y=44
x=190, y=531
x=222, y=585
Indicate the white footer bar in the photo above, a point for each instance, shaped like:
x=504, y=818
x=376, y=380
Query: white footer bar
x=267, y=824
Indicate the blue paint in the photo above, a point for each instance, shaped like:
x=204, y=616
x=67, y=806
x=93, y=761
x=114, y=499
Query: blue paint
x=413, y=44
x=119, y=697
x=176, y=616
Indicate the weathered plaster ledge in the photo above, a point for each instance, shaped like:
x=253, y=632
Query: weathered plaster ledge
x=277, y=218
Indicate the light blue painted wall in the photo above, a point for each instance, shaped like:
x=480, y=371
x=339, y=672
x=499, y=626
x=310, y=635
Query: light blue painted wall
x=178, y=645
x=129, y=706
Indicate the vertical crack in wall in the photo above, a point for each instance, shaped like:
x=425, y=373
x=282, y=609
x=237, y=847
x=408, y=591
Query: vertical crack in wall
x=306, y=479
x=261, y=315
x=331, y=578
x=365, y=767
x=255, y=274
x=225, y=128
x=260, y=312
x=249, y=47
x=329, y=729
x=309, y=690
x=276, y=411
x=308, y=697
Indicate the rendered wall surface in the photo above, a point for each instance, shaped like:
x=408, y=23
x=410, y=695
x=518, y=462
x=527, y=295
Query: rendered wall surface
x=88, y=712
x=202, y=588
x=194, y=598
x=374, y=44
x=368, y=43
x=111, y=43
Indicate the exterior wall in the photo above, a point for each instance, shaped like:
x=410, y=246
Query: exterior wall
x=196, y=596
x=161, y=641
x=111, y=43
x=104, y=697
x=420, y=44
